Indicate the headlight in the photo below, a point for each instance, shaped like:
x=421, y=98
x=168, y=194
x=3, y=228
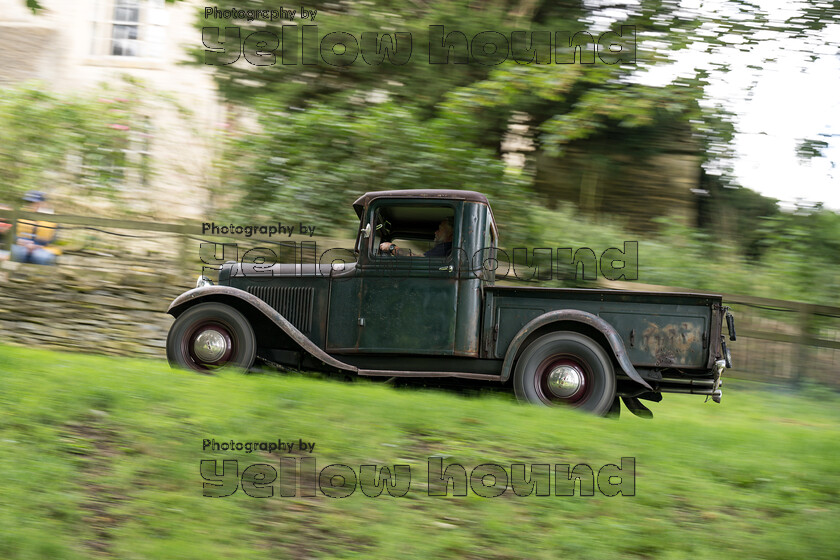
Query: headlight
x=203, y=281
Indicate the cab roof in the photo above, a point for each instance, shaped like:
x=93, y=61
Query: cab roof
x=431, y=194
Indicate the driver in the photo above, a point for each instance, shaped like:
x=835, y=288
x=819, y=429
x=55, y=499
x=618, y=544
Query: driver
x=443, y=242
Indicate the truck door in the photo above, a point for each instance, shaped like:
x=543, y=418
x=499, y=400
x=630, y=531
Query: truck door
x=408, y=301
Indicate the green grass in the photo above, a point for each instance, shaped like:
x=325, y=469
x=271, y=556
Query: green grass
x=100, y=458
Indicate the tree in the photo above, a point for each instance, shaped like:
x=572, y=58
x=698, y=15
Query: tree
x=605, y=109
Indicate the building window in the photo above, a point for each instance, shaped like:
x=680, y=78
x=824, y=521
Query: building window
x=129, y=28
x=126, y=29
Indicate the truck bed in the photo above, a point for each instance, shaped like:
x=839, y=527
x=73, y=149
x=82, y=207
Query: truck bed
x=659, y=330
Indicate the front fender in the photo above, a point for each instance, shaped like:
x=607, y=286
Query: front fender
x=213, y=293
x=577, y=316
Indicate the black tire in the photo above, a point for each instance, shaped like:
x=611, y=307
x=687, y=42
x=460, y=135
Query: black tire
x=229, y=340
x=583, y=377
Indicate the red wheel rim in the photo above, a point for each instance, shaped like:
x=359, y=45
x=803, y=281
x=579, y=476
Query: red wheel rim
x=563, y=379
x=207, y=345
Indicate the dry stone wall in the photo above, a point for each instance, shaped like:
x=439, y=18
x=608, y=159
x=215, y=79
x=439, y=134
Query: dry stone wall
x=121, y=311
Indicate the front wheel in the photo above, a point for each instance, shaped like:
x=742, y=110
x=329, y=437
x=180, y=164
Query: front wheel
x=210, y=336
x=566, y=369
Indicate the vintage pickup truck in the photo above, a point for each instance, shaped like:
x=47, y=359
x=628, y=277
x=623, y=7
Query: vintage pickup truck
x=389, y=307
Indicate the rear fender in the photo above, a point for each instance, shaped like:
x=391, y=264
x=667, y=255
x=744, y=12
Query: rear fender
x=577, y=316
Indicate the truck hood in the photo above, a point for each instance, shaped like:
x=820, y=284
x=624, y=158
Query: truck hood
x=245, y=270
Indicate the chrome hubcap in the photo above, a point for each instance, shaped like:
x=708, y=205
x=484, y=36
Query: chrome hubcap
x=564, y=381
x=209, y=346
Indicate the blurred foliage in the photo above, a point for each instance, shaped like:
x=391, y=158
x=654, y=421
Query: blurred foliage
x=803, y=249
x=735, y=215
x=428, y=125
x=332, y=155
x=565, y=103
x=37, y=6
x=809, y=149
x=326, y=134
x=47, y=139
x=798, y=257
x=602, y=110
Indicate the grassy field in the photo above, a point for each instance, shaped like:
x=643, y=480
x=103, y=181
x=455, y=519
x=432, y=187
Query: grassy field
x=100, y=457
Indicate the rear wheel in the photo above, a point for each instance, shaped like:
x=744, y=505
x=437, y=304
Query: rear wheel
x=566, y=369
x=210, y=336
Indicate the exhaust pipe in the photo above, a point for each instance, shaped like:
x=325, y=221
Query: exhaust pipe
x=691, y=382
x=690, y=390
x=708, y=387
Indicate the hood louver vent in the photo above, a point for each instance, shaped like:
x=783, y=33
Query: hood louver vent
x=295, y=304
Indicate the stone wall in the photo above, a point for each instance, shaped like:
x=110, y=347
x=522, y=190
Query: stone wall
x=29, y=52
x=85, y=308
x=108, y=294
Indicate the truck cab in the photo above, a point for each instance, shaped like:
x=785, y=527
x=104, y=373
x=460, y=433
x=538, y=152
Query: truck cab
x=414, y=299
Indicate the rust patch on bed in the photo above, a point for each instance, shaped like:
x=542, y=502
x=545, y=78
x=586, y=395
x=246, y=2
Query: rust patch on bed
x=671, y=344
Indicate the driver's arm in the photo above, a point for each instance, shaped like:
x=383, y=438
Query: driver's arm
x=390, y=248
x=385, y=247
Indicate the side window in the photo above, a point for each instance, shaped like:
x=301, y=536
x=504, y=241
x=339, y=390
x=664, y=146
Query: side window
x=415, y=230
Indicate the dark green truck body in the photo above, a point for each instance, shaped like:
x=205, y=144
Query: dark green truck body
x=399, y=315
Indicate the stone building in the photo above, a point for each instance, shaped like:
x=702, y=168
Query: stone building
x=73, y=47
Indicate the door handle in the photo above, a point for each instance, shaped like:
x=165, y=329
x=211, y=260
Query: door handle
x=447, y=268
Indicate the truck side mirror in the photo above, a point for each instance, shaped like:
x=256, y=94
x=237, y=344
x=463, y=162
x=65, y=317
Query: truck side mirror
x=366, y=231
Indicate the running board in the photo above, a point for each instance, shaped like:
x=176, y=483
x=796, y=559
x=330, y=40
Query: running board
x=398, y=373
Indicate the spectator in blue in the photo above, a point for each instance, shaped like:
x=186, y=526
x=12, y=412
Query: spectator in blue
x=5, y=229
x=34, y=238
